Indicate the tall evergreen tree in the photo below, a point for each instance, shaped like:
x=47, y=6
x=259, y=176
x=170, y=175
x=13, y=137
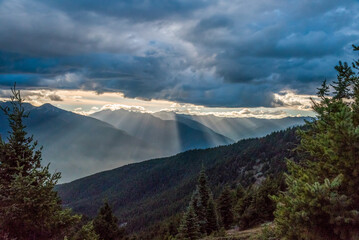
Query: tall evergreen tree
x=200, y=200
x=255, y=206
x=240, y=192
x=225, y=205
x=29, y=207
x=203, y=206
x=87, y=232
x=199, y=209
x=189, y=228
x=211, y=215
x=172, y=228
x=203, y=187
x=106, y=224
x=322, y=200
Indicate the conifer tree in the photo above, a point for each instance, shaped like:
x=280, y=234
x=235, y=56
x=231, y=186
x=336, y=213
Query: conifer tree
x=200, y=200
x=203, y=188
x=87, y=232
x=172, y=228
x=240, y=192
x=106, y=224
x=255, y=206
x=225, y=205
x=29, y=206
x=203, y=206
x=189, y=228
x=322, y=200
x=241, y=205
x=211, y=215
x=199, y=209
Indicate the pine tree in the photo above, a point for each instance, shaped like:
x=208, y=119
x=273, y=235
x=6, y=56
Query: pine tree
x=203, y=206
x=199, y=209
x=172, y=228
x=211, y=215
x=255, y=205
x=29, y=207
x=203, y=188
x=106, y=224
x=344, y=80
x=240, y=192
x=87, y=232
x=200, y=200
x=189, y=228
x=225, y=205
x=322, y=200
x=241, y=206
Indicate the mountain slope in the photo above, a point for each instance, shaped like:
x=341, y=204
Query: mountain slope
x=169, y=135
x=150, y=191
x=236, y=128
x=78, y=145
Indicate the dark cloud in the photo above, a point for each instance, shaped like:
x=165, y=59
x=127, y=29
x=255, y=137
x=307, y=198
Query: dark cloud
x=136, y=10
x=54, y=97
x=214, y=53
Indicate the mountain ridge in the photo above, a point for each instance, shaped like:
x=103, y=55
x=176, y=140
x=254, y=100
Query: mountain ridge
x=91, y=145
x=88, y=143
x=169, y=134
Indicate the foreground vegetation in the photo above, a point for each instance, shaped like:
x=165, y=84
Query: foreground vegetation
x=29, y=206
x=322, y=199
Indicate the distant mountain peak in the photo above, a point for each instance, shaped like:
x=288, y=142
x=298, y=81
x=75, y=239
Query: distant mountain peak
x=78, y=145
x=49, y=106
x=26, y=105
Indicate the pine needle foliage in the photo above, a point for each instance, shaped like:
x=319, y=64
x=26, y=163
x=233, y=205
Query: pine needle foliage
x=189, y=228
x=322, y=200
x=204, y=210
x=87, y=232
x=106, y=224
x=29, y=206
x=225, y=208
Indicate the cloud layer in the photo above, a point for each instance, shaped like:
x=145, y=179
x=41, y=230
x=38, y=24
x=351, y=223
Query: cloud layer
x=212, y=53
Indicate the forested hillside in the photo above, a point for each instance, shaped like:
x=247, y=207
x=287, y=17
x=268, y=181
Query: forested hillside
x=147, y=192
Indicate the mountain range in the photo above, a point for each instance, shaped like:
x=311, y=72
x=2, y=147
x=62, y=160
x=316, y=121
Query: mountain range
x=171, y=135
x=236, y=128
x=78, y=145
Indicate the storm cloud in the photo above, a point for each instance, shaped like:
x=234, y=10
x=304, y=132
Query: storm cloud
x=212, y=53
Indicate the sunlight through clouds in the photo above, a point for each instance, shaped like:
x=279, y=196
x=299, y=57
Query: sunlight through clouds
x=217, y=54
x=287, y=103
x=289, y=99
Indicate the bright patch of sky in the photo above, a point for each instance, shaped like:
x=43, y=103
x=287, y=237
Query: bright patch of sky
x=88, y=102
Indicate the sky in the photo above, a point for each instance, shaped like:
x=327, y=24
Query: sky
x=258, y=58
